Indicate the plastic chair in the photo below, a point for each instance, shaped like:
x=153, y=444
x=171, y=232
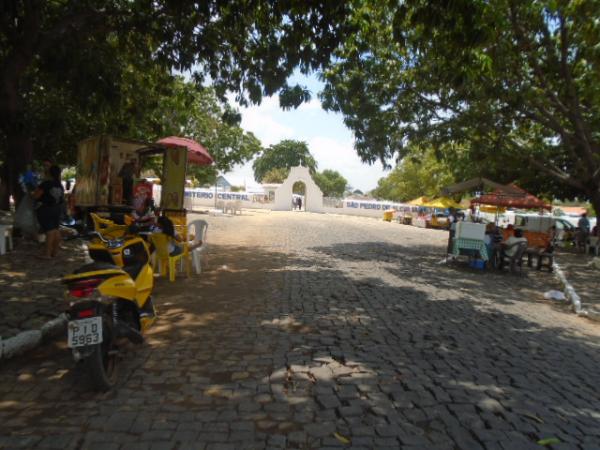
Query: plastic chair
x=5, y=237
x=593, y=243
x=198, y=229
x=516, y=259
x=166, y=261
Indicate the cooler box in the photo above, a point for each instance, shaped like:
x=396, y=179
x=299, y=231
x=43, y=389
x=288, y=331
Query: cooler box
x=468, y=230
x=477, y=264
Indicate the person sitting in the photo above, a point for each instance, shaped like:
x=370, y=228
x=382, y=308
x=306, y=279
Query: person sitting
x=143, y=215
x=488, y=238
x=165, y=226
x=510, y=245
x=552, y=238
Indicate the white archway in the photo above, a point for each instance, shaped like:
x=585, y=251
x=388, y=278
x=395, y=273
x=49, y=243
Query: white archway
x=283, y=195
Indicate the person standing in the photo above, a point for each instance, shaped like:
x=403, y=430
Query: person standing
x=127, y=173
x=51, y=195
x=584, y=231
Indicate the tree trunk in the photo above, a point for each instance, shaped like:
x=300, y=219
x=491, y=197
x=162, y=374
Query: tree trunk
x=19, y=149
x=595, y=200
x=19, y=154
x=4, y=189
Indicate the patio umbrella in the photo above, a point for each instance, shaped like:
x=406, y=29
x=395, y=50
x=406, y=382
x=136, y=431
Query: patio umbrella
x=197, y=153
x=418, y=201
x=442, y=202
x=516, y=198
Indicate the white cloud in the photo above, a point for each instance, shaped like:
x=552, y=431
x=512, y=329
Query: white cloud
x=340, y=155
x=259, y=120
x=329, y=141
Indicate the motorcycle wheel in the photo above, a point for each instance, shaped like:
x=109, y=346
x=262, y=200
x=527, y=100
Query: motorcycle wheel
x=102, y=362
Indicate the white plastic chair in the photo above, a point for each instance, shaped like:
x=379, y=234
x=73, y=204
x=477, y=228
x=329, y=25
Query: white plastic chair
x=5, y=236
x=198, y=229
x=593, y=243
x=235, y=207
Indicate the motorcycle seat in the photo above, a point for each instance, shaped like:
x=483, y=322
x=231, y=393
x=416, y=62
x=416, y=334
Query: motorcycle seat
x=95, y=266
x=133, y=270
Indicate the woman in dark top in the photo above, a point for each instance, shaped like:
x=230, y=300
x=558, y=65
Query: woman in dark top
x=51, y=196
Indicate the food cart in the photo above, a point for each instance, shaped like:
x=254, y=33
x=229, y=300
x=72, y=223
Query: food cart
x=99, y=184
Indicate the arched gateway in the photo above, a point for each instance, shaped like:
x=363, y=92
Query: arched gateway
x=313, y=200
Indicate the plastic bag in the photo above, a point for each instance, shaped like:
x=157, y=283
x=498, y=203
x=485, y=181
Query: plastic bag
x=555, y=295
x=26, y=219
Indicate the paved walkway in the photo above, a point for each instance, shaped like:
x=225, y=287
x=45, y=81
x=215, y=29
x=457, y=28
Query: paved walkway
x=30, y=289
x=314, y=331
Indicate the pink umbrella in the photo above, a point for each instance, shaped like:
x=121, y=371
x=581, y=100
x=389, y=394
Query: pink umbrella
x=197, y=153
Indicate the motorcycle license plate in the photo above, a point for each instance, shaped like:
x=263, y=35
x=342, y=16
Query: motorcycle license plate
x=84, y=332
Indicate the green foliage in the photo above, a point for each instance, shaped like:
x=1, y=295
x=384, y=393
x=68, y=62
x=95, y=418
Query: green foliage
x=284, y=155
x=516, y=85
x=413, y=177
x=299, y=188
x=276, y=175
x=71, y=69
x=331, y=183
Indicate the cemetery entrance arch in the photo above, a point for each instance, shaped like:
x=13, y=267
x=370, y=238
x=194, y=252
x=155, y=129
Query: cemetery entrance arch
x=313, y=197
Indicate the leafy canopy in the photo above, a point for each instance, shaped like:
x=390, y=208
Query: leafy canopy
x=283, y=155
x=418, y=174
x=331, y=183
x=74, y=62
x=276, y=175
x=514, y=84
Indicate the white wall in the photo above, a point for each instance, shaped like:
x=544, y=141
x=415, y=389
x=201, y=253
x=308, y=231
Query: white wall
x=313, y=199
x=367, y=208
x=202, y=199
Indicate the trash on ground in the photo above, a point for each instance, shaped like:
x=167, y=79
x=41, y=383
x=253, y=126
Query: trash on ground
x=555, y=295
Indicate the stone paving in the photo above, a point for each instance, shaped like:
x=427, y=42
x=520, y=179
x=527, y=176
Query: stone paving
x=30, y=294
x=314, y=331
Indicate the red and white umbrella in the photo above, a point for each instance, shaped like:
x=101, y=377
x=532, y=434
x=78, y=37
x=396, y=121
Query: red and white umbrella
x=197, y=153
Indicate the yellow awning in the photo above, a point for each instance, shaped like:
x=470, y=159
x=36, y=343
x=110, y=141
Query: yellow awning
x=492, y=209
x=418, y=201
x=442, y=202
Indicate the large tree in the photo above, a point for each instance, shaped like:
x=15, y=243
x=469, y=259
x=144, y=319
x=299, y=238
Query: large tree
x=331, y=183
x=283, y=155
x=187, y=110
x=516, y=83
x=419, y=173
x=83, y=46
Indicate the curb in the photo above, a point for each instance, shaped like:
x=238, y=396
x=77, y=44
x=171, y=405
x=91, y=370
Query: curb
x=572, y=295
x=27, y=340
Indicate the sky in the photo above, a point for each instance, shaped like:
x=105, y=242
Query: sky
x=328, y=139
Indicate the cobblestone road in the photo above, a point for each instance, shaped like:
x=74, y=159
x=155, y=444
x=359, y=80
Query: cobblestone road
x=314, y=331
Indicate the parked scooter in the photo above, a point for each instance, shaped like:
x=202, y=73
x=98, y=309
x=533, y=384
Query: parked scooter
x=110, y=299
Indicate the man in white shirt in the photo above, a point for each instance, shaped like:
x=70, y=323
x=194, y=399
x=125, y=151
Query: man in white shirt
x=510, y=245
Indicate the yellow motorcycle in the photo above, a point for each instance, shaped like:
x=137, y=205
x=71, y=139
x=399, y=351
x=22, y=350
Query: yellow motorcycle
x=109, y=300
